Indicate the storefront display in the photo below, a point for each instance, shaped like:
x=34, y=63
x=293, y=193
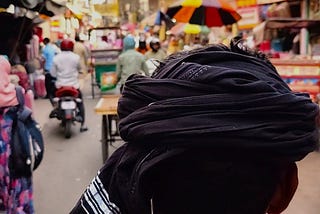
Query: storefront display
x=106, y=46
x=302, y=75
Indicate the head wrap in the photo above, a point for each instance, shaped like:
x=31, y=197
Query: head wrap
x=219, y=99
x=128, y=42
x=220, y=124
x=7, y=89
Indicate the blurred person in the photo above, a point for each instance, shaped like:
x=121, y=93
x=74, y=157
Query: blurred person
x=196, y=43
x=130, y=61
x=220, y=132
x=142, y=46
x=16, y=194
x=155, y=56
x=173, y=45
x=227, y=35
x=65, y=69
x=81, y=50
x=48, y=52
x=155, y=51
x=181, y=43
x=24, y=81
x=204, y=41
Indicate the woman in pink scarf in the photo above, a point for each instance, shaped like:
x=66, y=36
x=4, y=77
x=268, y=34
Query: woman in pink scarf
x=16, y=195
x=7, y=89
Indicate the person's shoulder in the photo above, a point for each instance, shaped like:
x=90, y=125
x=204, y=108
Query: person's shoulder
x=79, y=45
x=70, y=54
x=123, y=54
x=148, y=53
x=51, y=48
x=162, y=50
x=139, y=54
x=76, y=56
x=57, y=57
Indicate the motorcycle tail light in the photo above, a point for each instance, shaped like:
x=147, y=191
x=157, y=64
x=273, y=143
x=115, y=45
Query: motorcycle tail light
x=78, y=100
x=68, y=116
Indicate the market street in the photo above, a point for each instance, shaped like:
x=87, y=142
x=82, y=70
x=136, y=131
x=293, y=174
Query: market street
x=70, y=164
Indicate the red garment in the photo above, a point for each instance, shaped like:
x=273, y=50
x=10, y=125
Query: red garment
x=142, y=50
x=29, y=99
x=23, y=78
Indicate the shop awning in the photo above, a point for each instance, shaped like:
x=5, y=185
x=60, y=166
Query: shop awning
x=45, y=7
x=285, y=23
x=298, y=23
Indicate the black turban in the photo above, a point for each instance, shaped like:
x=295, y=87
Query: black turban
x=219, y=99
x=209, y=132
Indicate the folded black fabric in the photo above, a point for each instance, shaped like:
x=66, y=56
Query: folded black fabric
x=219, y=99
x=208, y=133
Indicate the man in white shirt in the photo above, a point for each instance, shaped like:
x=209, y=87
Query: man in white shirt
x=66, y=68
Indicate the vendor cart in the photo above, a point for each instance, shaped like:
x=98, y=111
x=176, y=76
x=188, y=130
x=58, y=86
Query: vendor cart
x=106, y=46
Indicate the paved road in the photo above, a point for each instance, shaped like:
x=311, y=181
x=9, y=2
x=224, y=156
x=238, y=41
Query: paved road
x=70, y=164
x=307, y=198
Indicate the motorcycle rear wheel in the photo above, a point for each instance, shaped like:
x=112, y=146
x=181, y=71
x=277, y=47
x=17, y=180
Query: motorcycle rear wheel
x=67, y=128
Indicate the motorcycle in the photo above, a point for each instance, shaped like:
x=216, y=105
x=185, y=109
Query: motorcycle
x=66, y=99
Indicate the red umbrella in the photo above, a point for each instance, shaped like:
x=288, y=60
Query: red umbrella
x=212, y=13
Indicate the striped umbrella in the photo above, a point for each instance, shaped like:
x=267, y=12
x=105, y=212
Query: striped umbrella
x=212, y=13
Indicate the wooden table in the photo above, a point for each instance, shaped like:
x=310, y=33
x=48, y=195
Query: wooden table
x=107, y=107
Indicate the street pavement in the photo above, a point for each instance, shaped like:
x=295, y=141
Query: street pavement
x=69, y=164
x=307, y=197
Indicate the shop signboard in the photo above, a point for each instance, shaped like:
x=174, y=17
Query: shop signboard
x=111, y=8
x=250, y=17
x=245, y=3
x=55, y=24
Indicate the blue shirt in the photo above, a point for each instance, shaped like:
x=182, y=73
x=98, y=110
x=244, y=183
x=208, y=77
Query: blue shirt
x=48, y=52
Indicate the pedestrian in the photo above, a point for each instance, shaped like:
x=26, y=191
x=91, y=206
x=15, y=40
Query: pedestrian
x=196, y=43
x=156, y=51
x=66, y=67
x=24, y=82
x=142, y=46
x=215, y=130
x=16, y=195
x=173, y=45
x=130, y=61
x=81, y=50
x=48, y=53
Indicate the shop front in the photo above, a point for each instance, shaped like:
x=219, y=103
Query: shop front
x=290, y=35
x=301, y=75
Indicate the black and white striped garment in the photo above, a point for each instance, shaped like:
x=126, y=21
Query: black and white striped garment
x=96, y=199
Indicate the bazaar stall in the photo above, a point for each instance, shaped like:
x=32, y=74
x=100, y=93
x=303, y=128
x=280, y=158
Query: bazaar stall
x=301, y=75
x=301, y=72
x=106, y=46
x=289, y=34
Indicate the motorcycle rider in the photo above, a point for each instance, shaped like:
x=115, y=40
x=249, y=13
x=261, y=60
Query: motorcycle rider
x=156, y=51
x=66, y=68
